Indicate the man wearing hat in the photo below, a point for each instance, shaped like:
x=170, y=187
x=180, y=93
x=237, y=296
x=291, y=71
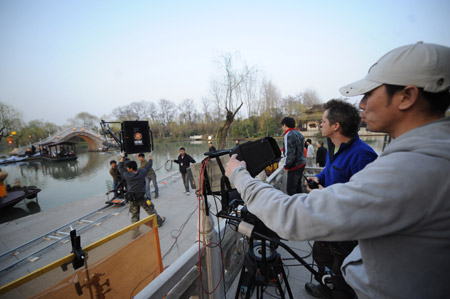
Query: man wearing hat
x=398, y=206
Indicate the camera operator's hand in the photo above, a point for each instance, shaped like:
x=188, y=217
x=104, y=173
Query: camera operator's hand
x=232, y=164
x=314, y=179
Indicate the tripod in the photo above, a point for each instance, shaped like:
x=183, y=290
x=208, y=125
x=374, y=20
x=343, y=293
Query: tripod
x=262, y=266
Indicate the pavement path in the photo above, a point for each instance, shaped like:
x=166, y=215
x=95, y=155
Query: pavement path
x=177, y=234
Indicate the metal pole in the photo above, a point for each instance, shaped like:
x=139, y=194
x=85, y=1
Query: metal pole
x=213, y=255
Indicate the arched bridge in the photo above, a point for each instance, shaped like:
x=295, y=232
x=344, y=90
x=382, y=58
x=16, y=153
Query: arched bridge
x=93, y=139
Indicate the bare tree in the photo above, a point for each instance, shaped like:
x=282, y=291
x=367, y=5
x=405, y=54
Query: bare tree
x=206, y=104
x=310, y=97
x=84, y=120
x=132, y=111
x=227, y=91
x=292, y=106
x=249, y=90
x=187, y=111
x=152, y=112
x=270, y=97
x=167, y=112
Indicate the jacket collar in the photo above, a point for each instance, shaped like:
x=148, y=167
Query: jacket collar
x=343, y=146
x=288, y=130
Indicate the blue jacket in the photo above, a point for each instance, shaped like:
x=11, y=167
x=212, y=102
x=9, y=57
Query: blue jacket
x=350, y=158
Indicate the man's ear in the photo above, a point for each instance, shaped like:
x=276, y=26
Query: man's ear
x=408, y=97
x=336, y=126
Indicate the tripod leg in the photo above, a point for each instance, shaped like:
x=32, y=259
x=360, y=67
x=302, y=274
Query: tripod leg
x=246, y=284
x=286, y=282
x=280, y=288
x=241, y=277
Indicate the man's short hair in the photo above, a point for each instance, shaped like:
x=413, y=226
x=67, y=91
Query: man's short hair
x=345, y=114
x=182, y=148
x=309, y=140
x=132, y=165
x=438, y=103
x=288, y=121
x=141, y=155
x=112, y=161
x=320, y=142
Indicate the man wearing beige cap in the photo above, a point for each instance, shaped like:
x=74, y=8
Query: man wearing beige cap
x=398, y=206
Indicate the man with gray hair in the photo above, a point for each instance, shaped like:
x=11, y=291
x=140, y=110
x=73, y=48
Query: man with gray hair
x=397, y=207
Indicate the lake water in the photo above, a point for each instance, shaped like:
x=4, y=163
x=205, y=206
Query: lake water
x=65, y=182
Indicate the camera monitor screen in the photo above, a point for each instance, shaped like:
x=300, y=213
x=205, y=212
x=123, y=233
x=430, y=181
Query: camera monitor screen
x=258, y=154
x=136, y=137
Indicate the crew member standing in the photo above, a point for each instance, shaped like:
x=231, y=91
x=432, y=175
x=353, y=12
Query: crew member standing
x=399, y=215
x=136, y=190
x=294, y=162
x=321, y=156
x=211, y=147
x=184, y=160
x=151, y=175
x=114, y=172
x=348, y=155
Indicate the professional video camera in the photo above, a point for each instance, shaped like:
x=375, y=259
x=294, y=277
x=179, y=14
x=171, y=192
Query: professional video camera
x=257, y=154
x=262, y=263
x=134, y=136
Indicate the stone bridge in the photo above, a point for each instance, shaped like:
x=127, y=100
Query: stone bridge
x=93, y=139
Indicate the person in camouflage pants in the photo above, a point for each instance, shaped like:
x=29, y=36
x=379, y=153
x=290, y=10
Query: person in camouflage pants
x=147, y=205
x=136, y=190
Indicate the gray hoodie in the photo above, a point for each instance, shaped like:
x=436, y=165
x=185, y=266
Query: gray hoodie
x=398, y=207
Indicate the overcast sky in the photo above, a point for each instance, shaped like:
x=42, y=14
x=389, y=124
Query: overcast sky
x=58, y=58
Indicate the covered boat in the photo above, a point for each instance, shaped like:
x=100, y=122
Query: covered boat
x=58, y=151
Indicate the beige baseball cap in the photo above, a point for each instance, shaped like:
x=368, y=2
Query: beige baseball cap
x=424, y=65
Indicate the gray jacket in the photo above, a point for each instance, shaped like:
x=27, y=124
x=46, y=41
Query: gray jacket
x=398, y=207
x=135, y=181
x=293, y=150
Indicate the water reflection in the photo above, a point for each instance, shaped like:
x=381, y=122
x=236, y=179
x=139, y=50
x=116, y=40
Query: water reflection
x=65, y=182
x=24, y=208
x=64, y=170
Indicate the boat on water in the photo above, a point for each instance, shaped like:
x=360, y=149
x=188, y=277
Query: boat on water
x=58, y=151
x=12, y=159
x=196, y=137
x=16, y=194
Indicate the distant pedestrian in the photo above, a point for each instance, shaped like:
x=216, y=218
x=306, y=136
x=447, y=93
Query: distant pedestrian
x=321, y=156
x=236, y=141
x=151, y=175
x=136, y=191
x=211, y=148
x=310, y=153
x=184, y=160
